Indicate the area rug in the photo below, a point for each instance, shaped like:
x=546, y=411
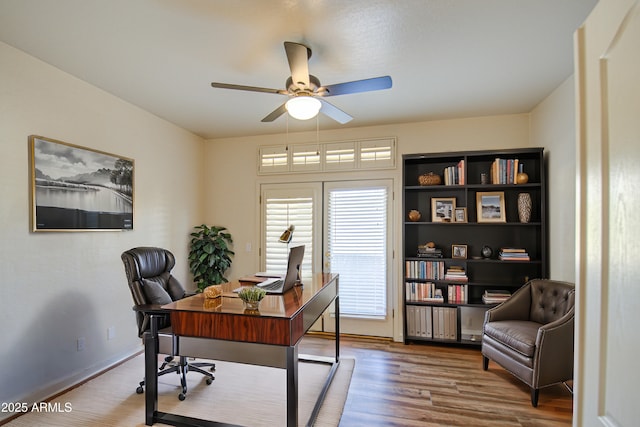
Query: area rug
x=241, y=394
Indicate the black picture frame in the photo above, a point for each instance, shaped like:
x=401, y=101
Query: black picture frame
x=74, y=188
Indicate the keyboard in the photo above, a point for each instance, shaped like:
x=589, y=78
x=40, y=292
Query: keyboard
x=271, y=286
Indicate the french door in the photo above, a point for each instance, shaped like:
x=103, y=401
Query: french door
x=345, y=227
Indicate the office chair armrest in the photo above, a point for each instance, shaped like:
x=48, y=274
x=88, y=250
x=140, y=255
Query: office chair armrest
x=150, y=309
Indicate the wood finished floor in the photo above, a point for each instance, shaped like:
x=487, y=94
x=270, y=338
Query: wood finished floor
x=394, y=384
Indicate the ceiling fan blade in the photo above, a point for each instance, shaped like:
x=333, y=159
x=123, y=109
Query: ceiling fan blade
x=275, y=114
x=334, y=112
x=249, y=88
x=366, y=85
x=298, y=56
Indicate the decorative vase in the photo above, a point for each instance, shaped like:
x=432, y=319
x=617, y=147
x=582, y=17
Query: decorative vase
x=429, y=179
x=414, y=215
x=524, y=207
x=521, y=177
x=251, y=305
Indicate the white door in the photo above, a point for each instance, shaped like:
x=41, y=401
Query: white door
x=357, y=245
x=608, y=306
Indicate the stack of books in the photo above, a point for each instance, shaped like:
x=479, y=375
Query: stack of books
x=427, y=252
x=495, y=296
x=456, y=273
x=513, y=254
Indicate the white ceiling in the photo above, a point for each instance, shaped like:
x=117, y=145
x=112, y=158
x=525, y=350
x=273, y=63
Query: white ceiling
x=447, y=58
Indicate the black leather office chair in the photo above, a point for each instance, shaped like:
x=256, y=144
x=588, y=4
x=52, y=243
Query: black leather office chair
x=151, y=284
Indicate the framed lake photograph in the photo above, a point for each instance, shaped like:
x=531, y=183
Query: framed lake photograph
x=74, y=188
x=490, y=206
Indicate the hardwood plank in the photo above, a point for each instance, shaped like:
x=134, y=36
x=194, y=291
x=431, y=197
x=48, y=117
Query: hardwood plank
x=394, y=384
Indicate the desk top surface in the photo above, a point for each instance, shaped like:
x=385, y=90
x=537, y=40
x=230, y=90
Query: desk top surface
x=283, y=306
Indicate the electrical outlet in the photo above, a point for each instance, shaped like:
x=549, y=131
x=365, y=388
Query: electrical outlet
x=111, y=333
x=81, y=344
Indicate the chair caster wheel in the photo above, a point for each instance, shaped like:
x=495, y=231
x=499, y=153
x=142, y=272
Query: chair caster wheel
x=213, y=369
x=181, y=396
x=140, y=390
x=209, y=381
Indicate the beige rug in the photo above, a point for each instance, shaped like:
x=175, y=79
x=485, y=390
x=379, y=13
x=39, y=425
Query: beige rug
x=241, y=394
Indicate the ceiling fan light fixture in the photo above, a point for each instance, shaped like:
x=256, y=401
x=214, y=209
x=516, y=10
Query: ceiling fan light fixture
x=303, y=107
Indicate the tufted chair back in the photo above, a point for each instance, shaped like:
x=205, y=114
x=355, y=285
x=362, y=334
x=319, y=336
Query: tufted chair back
x=148, y=271
x=550, y=300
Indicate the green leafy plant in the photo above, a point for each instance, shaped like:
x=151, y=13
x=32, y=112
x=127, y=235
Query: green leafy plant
x=251, y=294
x=209, y=255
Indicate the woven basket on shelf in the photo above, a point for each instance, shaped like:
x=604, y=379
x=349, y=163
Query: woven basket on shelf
x=429, y=179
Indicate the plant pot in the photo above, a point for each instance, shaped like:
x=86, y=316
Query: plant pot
x=251, y=305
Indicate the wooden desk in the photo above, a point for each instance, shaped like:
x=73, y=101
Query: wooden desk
x=267, y=338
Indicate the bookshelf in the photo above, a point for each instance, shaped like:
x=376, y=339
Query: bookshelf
x=474, y=207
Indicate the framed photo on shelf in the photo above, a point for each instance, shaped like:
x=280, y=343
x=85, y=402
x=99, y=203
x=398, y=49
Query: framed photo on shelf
x=490, y=206
x=442, y=209
x=460, y=214
x=459, y=251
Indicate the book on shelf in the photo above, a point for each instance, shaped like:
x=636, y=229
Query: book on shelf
x=456, y=273
x=423, y=292
x=504, y=171
x=513, y=254
x=458, y=294
x=433, y=270
x=495, y=296
x=454, y=175
x=419, y=321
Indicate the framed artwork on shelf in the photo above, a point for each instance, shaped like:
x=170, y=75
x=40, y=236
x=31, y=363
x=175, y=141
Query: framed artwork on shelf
x=459, y=251
x=442, y=209
x=74, y=188
x=490, y=206
x=460, y=214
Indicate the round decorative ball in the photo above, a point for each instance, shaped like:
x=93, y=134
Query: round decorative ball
x=522, y=178
x=414, y=215
x=487, y=251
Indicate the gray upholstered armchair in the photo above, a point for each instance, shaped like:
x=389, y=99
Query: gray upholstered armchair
x=148, y=271
x=531, y=334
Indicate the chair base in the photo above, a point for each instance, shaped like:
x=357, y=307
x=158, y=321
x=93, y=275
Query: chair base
x=181, y=368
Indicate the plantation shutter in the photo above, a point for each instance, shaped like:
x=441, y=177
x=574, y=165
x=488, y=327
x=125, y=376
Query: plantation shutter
x=281, y=212
x=357, y=248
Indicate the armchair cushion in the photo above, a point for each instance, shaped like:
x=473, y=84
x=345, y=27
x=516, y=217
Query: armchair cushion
x=519, y=335
x=155, y=292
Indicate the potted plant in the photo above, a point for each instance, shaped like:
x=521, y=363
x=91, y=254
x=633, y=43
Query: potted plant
x=209, y=255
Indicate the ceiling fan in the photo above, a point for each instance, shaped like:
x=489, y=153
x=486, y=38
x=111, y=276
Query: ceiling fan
x=305, y=89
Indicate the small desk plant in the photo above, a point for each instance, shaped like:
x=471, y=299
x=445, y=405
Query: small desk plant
x=251, y=296
x=209, y=255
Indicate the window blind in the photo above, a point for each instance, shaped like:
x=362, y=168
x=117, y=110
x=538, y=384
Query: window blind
x=357, y=242
x=281, y=212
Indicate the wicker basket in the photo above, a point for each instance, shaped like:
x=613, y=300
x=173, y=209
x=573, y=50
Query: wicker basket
x=429, y=179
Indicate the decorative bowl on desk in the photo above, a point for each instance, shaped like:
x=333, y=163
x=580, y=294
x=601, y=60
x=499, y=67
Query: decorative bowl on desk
x=251, y=297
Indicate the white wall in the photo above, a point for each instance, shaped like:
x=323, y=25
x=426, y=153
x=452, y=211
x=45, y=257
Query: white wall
x=232, y=181
x=553, y=127
x=58, y=286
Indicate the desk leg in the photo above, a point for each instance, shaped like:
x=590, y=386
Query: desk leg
x=151, y=373
x=292, y=386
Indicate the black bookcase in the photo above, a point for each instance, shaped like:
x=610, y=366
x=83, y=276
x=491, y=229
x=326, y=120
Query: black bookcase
x=458, y=317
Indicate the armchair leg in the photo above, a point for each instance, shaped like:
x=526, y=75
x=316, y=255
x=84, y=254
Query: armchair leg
x=535, y=392
x=485, y=363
